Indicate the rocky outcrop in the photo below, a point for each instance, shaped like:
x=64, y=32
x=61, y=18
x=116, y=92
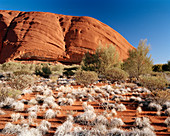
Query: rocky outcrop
x=53, y=37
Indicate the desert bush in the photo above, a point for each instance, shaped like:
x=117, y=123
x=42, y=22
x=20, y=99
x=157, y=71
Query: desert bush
x=64, y=129
x=21, y=72
x=2, y=112
x=8, y=92
x=152, y=82
x=21, y=81
x=167, y=112
x=103, y=59
x=57, y=69
x=157, y=68
x=143, y=122
x=70, y=70
x=161, y=96
x=167, y=121
x=165, y=67
x=11, y=66
x=139, y=62
x=116, y=122
x=86, y=77
x=17, y=66
x=155, y=106
x=43, y=70
x=116, y=74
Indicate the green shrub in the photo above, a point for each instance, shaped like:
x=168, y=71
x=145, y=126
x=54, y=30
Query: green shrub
x=153, y=82
x=116, y=74
x=21, y=81
x=138, y=63
x=43, y=70
x=11, y=66
x=17, y=66
x=157, y=68
x=22, y=72
x=161, y=96
x=57, y=69
x=86, y=77
x=103, y=59
x=165, y=67
x=70, y=70
x=8, y=92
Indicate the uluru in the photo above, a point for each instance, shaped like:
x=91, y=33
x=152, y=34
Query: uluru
x=42, y=36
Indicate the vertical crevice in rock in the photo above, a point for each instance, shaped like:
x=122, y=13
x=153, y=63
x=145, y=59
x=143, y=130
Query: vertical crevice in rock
x=8, y=28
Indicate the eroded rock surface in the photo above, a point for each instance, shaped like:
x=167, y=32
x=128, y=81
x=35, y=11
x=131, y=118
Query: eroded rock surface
x=27, y=36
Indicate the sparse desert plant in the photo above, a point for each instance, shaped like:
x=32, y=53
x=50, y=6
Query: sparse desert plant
x=11, y=129
x=139, y=62
x=30, y=132
x=116, y=132
x=18, y=106
x=2, y=112
x=49, y=114
x=113, y=111
x=21, y=72
x=86, y=117
x=32, y=115
x=167, y=122
x=116, y=74
x=155, y=106
x=33, y=102
x=166, y=104
x=43, y=70
x=8, y=92
x=161, y=96
x=157, y=68
x=11, y=66
x=33, y=108
x=153, y=83
x=86, y=77
x=21, y=81
x=16, y=116
x=101, y=120
x=142, y=132
x=167, y=112
x=102, y=59
x=44, y=127
x=57, y=69
x=115, y=122
x=64, y=129
x=120, y=107
x=143, y=122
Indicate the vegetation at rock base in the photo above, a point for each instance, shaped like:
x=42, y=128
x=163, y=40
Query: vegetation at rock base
x=153, y=82
x=138, y=63
x=86, y=77
x=116, y=74
x=43, y=70
x=105, y=57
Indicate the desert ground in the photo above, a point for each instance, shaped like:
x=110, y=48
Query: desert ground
x=98, y=109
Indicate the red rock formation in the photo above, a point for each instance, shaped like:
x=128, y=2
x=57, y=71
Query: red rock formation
x=53, y=37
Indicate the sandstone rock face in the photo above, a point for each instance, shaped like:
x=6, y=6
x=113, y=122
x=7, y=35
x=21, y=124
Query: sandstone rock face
x=39, y=36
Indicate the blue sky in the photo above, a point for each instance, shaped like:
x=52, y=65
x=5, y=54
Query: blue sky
x=133, y=19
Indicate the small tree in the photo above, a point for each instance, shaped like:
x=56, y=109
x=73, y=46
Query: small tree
x=157, y=68
x=103, y=59
x=169, y=65
x=138, y=63
x=165, y=67
x=86, y=77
